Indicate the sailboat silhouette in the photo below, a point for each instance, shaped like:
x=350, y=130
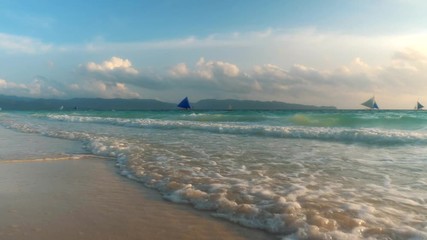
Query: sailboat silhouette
x=184, y=104
x=419, y=106
x=371, y=103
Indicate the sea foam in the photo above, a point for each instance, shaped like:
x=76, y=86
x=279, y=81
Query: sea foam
x=281, y=179
x=348, y=135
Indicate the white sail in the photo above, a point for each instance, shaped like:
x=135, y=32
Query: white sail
x=371, y=103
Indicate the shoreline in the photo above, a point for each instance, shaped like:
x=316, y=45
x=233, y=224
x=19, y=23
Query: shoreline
x=87, y=199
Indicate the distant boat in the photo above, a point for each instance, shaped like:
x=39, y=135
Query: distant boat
x=184, y=104
x=61, y=108
x=371, y=103
x=419, y=106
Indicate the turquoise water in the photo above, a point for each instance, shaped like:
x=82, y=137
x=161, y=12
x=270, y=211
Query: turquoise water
x=297, y=174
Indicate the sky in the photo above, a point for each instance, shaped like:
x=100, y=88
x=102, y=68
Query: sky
x=317, y=52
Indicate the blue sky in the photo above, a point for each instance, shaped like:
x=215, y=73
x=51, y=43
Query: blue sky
x=312, y=52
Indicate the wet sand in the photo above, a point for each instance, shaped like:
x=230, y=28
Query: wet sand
x=87, y=199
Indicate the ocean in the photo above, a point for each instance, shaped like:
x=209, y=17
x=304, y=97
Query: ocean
x=332, y=174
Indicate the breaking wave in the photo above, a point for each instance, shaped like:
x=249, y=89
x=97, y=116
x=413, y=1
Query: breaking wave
x=339, y=134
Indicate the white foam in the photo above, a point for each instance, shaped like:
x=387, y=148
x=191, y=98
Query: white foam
x=362, y=135
x=301, y=190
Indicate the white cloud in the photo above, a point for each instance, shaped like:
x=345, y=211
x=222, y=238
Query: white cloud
x=5, y=84
x=18, y=44
x=283, y=47
x=344, y=86
x=99, y=88
x=213, y=75
x=270, y=71
x=206, y=69
x=114, y=64
x=179, y=70
x=211, y=68
x=303, y=66
x=42, y=87
x=121, y=87
x=37, y=88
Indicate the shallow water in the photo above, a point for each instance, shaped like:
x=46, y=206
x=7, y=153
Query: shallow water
x=297, y=174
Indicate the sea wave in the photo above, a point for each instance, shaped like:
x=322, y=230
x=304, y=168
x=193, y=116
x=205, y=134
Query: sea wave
x=339, y=134
x=292, y=200
x=410, y=120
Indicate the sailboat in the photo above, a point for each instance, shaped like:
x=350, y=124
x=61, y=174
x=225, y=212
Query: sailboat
x=184, y=104
x=371, y=103
x=419, y=106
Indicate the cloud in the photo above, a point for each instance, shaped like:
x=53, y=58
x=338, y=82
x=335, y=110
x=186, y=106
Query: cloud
x=303, y=66
x=410, y=55
x=116, y=77
x=98, y=88
x=270, y=71
x=299, y=83
x=115, y=64
x=106, y=75
x=216, y=68
x=276, y=46
x=82, y=85
x=219, y=76
x=17, y=44
x=37, y=88
x=206, y=70
x=109, y=79
x=179, y=70
x=4, y=84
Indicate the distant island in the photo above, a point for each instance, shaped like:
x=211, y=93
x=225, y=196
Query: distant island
x=24, y=103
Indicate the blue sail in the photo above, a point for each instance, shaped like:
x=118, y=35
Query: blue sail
x=375, y=106
x=184, y=103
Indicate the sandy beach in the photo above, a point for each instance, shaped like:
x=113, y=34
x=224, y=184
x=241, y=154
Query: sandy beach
x=80, y=196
